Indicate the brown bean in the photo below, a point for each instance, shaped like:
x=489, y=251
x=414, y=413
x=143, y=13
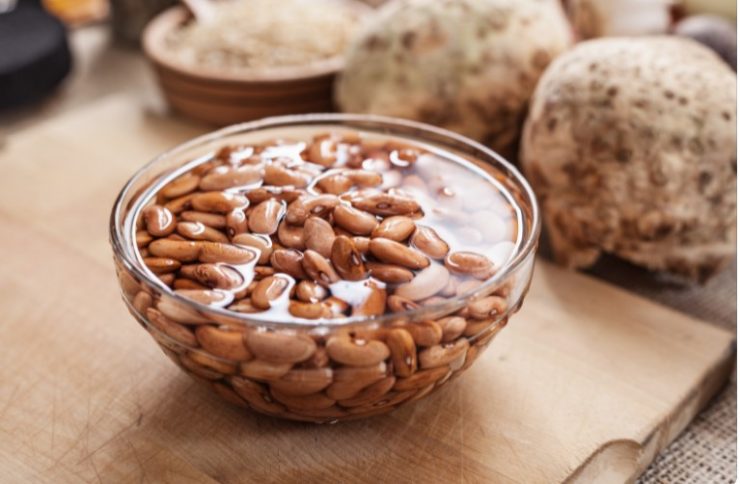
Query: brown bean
x=226, y=253
x=452, y=327
x=390, y=273
x=323, y=151
x=207, y=297
x=264, y=370
x=265, y=217
x=370, y=394
x=256, y=396
x=286, y=194
x=161, y=265
x=397, y=228
x=425, y=333
x=422, y=378
x=182, y=283
x=318, y=268
x=399, y=304
x=354, y=220
x=239, y=177
x=488, y=307
x=199, y=231
x=167, y=279
x=291, y=236
x=349, y=380
x=218, y=202
x=212, y=220
x=280, y=347
x=356, y=352
x=244, y=306
x=302, y=208
x=262, y=243
x=176, y=331
x=180, y=204
x=288, y=261
x=318, y=235
x=158, y=220
x=142, y=301
x=207, y=361
x=196, y=368
x=442, y=355
x=362, y=243
x=213, y=275
x=470, y=263
x=336, y=306
x=373, y=304
x=426, y=283
x=336, y=184
x=426, y=240
x=392, y=252
x=236, y=222
x=269, y=289
x=347, y=259
x=364, y=178
x=143, y=238
x=315, y=401
x=303, y=381
x=403, y=351
x=310, y=292
x=306, y=310
x=281, y=176
x=386, y=204
x=180, y=186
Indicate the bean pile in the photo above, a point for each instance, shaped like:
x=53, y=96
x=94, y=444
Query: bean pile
x=336, y=227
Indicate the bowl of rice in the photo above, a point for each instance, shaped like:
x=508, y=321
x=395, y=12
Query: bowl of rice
x=249, y=59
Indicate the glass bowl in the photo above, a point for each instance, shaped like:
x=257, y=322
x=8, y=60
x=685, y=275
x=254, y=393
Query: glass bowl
x=285, y=370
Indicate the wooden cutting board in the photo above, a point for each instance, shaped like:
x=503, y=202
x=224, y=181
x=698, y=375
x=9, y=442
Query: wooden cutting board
x=587, y=383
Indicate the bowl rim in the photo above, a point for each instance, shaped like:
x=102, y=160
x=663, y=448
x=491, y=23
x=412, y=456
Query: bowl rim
x=152, y=41
x=526, y=248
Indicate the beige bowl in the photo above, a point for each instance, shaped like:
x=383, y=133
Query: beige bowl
x=224, y=97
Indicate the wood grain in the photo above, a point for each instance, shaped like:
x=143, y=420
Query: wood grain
x=587, y=383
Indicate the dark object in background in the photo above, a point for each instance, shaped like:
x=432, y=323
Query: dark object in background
x=129, y=17
x=715, y=32
x=34, y=54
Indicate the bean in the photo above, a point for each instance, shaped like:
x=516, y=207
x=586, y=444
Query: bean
x=319, y=206
x=176, y=331
x=315, y=401
x=426, y=283
x=442, y=355
x=239, y=177
x=213, y=275
x=291, y=236
x=392, y=252
x=280, y=176
x=218, y=202
x=356, y=352
x=318, y=235
x=310, y=292
x=397, y=228
x=256, y=396
x=420, y=379
x=289, y=262
x=403, y=351
x=260, y=242
x=318, y=268
x=426, y=240
x=264, y=370
x=347, y=259
x=354, y=220
x=452, y=327
x=158, y=220
x=303, y=381
x=162, y=265
x=476, y=265
x=335, y=184
x=180, y=186
x=199, y=231
x=212, y=220
x=389, y=273
x=385, y=204
x=373, y=304
x=265, y=217
x=488, y=307
x=269, y=289
x=280, y=347
x=306, y=310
